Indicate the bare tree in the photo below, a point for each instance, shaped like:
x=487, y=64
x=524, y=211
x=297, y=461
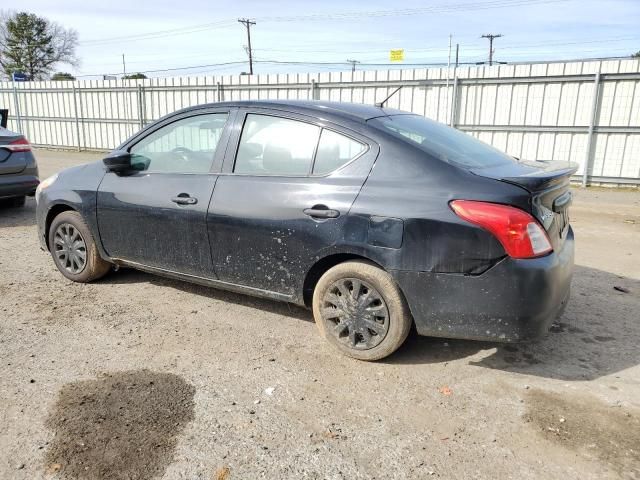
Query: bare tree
x=34, y=45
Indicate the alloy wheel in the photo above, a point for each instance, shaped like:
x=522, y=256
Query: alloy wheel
x=70, y=248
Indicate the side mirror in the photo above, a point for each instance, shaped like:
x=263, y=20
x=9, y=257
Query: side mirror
x=118, y=161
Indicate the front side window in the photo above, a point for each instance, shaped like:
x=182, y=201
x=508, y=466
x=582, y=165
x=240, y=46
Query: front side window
x=334, y=151
x=442, y=142
x=276, y=146
x=184, y=146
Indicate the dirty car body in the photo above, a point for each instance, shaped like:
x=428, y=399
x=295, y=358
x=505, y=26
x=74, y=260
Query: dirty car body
x=264, y=197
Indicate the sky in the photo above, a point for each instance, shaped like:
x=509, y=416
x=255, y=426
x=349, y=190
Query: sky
x=163, y=37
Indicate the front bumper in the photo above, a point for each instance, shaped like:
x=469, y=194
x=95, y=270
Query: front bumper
x=515, y=300
x=42, y=208
x=18, y=185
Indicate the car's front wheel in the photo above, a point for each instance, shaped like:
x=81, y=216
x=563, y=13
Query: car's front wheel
x=74, y=250
x=359, y=308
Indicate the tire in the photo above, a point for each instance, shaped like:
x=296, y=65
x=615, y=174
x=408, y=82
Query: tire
x=344, y=318
x=71, y=223
x=17, y=201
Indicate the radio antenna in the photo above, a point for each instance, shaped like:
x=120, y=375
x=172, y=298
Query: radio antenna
x=381, y=104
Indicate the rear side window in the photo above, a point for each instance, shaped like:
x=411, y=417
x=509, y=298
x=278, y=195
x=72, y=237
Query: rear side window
x=276, y=146
x=443, y=142
x=334, y=151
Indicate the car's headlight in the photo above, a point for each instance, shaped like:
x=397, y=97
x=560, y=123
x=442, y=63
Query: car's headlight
x=46, y=183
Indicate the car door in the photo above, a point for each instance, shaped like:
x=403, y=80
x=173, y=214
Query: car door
x=156, y=216
x=283, y=197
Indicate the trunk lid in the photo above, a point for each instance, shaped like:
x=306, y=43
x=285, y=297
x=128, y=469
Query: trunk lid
x=10, y=162
x=548, y=184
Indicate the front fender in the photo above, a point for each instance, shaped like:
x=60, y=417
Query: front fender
x=75, y=189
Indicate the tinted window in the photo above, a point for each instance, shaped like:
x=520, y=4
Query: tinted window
x=184, y=146
x=447, y=144
x=276, y=146
x=335, y=150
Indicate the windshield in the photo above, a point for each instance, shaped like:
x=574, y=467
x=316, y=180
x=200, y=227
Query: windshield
x=442, y=142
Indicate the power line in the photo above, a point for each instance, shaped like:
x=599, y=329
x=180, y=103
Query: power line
x=436, y=51
x=629, y=52
x=354, y=14
x=374, y=61
x=556, y=43
x=157, y=34
x=363, y=64
x=467, y=46
x=335, y=64
x=240, y=62
x=341, y=48
x=449, y=7
x=175, y=69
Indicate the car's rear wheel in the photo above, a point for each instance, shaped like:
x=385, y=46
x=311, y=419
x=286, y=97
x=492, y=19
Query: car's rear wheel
x=74, y=250
x=360, y=310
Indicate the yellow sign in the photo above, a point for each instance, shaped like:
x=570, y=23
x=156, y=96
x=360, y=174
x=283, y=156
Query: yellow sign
x=396, y=55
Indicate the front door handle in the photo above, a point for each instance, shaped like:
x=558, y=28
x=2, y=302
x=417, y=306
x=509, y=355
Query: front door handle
x=184, y=199
x=321, y=211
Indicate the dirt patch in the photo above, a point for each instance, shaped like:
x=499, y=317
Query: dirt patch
x=120, y=426
x=589, y=427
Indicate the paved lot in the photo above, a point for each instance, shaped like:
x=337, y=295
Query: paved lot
x=137, y=376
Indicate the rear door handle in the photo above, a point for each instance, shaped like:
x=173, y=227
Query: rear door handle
x=184, y=199
x=321, y=211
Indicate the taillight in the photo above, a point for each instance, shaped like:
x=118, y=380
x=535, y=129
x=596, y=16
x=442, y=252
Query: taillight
x=518, y=232
x=19, y=145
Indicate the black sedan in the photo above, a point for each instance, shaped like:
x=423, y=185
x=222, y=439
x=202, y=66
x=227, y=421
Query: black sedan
x=18, y=168
x=375, y=218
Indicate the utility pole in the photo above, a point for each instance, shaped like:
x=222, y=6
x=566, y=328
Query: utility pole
x=124, y=67
x=353, y=64
x=453, y=104
x=448, y=73
x=491, y=36
x=449, y=58
x=247, y=23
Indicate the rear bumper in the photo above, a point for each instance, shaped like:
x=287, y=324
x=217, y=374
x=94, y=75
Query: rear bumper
x=18, y=185
x=515, y=300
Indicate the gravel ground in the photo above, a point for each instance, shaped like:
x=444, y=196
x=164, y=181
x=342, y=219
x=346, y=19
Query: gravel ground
x=136, y=376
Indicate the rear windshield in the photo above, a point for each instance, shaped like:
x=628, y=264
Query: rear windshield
x=442, y=142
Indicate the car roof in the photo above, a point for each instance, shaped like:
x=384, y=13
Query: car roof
x=348, y=111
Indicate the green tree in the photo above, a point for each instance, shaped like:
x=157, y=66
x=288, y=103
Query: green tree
x=135, y=76
x=34, y=45
x=58, y=76
x=637, y=54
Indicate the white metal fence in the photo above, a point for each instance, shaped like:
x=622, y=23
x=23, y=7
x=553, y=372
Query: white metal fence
x=585, y=112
